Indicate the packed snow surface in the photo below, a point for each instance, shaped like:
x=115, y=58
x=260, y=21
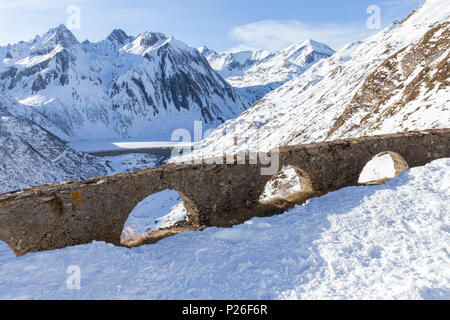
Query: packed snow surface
x=371, y=242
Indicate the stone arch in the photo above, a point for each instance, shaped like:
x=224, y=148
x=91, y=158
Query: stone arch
x=154, y=212
x=290, y=179
x=192, y=210
x=382, y=167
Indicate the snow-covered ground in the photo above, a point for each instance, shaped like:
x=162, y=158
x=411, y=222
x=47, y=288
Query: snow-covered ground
x=370, y=242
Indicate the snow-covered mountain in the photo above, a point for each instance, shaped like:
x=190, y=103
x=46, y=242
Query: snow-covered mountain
x=393, y=81
x=123, y=86
x=30, y=155
x=232, y=64
x=254, y=74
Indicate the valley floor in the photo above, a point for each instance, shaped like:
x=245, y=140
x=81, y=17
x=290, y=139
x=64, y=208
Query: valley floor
x=372, y=242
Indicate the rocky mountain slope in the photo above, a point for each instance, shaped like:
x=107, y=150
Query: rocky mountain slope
x=393, y=81
x=254, y=74
x=30, y=155
x=123, y=86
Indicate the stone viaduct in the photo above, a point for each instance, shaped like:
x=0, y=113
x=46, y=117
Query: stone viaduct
x=56, y=216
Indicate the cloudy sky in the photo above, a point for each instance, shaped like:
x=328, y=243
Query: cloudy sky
x=218, y=24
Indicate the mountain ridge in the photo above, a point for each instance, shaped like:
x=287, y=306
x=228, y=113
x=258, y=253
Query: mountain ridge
x=118, y=87
x=255, y=73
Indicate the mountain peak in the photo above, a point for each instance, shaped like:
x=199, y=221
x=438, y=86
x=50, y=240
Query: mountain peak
x=149, y=38
x=146, y=41
x=319, y=46
x=118, y=36
x=60, y=29
x=59, y=35
x=312, y=45
x=204, y=50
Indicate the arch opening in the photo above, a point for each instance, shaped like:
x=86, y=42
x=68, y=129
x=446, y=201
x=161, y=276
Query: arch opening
x=158, y=211
x=383, y=167
x=288, y=181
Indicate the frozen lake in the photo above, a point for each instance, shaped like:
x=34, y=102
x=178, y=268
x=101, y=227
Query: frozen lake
x=124, y=146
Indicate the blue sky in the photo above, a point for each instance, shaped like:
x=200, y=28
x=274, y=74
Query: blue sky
x=218, y=24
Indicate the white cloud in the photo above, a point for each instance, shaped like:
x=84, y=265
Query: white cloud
x=277, y=34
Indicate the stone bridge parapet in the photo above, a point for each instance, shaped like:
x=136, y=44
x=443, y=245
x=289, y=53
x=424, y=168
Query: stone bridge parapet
x=56, y=216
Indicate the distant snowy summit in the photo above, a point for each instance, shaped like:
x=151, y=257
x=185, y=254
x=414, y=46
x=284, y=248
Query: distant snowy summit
x=232, y=64
x=256, y=73
x=122, y=86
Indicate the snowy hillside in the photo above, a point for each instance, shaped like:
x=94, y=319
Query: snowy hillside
x=254, y=74
x=393, y=81
x=30, y=155
x=371, y=242
x=123, y=86
x=284, y=65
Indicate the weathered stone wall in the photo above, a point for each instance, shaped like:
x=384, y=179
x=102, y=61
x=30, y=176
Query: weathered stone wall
x=56, y=216
x=337, y=164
